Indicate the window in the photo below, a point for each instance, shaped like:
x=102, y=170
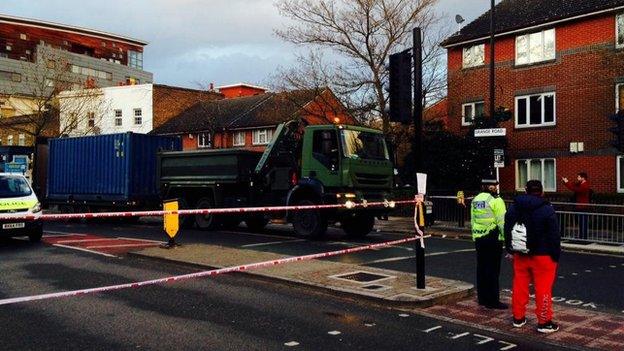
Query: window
x=620, y=174
x=470, y=111
x=543, y=170
x=619, y=97
x=262, y=136
x=474, y=56
x=10, y=140
x=325, y=148
x=239, y=139
x=135, y=59
x=138, y=116
x=51, y=64
x=72, y=123
x=535, y=110
x=23, y=36
x=619, y=30
x=21, y=140
x=204, y=140
x=535, y=47
x=8, y=47
x=86, y=71
x=118, y=118
x=10, y=76
x=91, y=119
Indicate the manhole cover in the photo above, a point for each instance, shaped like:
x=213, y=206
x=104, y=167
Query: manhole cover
x=362, y=277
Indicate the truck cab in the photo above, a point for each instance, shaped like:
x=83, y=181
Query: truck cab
x=341, y=163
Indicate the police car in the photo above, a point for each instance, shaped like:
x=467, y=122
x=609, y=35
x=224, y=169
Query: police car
x=17, y=198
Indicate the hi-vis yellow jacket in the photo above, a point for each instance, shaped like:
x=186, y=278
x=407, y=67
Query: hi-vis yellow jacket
x=487, y=213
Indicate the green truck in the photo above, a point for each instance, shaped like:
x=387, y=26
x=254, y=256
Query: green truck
x=320, y=164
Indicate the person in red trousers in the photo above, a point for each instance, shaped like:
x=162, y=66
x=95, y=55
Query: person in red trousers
x=532, y=236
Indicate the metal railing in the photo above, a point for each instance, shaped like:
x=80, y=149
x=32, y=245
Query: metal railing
x=599, y=223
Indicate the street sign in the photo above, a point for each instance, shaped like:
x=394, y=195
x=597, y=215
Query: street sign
x=171, y=221
x=499, y=158
x=490, y=132
x=15, y=168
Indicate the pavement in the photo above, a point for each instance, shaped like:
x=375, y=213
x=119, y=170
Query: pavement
x=388, y=286
x=451, y=230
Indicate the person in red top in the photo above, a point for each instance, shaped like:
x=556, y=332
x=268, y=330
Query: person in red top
x=582, y=196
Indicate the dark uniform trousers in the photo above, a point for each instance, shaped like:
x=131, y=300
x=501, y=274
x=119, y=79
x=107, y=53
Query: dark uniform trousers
x=489, y=251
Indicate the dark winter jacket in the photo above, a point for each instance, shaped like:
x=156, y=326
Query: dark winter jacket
x=543, y=236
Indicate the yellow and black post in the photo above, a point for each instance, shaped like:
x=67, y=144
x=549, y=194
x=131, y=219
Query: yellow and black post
x=171, y=222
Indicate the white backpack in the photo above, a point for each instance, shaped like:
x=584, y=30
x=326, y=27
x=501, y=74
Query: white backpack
x=520, y=230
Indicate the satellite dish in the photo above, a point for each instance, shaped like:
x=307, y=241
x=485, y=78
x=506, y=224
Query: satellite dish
x=459, y=19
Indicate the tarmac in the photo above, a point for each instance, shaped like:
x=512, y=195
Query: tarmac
x=445, y=299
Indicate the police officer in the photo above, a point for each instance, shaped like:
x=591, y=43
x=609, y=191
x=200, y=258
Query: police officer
x=488, y=221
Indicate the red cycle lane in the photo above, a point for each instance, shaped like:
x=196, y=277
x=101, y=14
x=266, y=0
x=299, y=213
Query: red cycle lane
x=98, y=244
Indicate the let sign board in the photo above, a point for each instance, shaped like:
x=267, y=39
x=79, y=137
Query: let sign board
x=499, y=158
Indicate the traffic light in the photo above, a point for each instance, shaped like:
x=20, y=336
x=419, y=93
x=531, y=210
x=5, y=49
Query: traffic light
x=618, y=130
x=401, y=87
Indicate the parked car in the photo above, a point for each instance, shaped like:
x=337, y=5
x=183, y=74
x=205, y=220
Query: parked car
x=17, y=198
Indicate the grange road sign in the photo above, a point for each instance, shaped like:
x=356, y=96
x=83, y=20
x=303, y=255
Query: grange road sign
x=490, y=132
x=499, y=158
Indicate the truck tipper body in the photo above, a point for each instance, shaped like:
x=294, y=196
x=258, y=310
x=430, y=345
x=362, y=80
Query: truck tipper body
x=321, y=164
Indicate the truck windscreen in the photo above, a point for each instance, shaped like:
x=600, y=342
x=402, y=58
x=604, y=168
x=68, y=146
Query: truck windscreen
x=365, y=145
x=13, y=186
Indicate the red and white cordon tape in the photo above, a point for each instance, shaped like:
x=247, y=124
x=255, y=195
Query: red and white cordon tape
x=207, y=211
x=208, y=273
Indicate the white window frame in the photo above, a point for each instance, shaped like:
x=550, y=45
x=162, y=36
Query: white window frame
x=474, y=112
x=138, y=118
x=118, y=122
x=617, y=97
x=258, y=133
x=10, y=140
x=236, y=140
x=528, y=110
x=619, y=170
x=21, y=139
x=617, y=31
x=201, y=140
x=520, y=187
x=472, y=50
x=528, y=40
x=90, y=119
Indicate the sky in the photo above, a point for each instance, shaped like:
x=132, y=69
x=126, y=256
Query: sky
x=196, y=42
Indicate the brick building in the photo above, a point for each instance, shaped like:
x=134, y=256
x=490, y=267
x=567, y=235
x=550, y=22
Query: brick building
x=560, y=71
x=39, y=58
x=135, y=108
x=248, y=120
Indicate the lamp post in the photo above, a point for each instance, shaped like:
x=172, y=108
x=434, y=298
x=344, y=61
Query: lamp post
x=492, y=68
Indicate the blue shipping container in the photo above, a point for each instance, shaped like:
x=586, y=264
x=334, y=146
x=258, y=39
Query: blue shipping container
x=119, y=168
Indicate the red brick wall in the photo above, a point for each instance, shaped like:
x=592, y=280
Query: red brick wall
x=583, y=77
x=239, y=91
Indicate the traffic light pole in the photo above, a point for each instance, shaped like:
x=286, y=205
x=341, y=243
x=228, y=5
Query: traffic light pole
x=417, y=143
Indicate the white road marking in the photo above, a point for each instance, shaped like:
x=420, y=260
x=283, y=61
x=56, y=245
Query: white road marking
x=334, y=332
x=612, y=266
x=460, y=335
x=588, y=271
x=574, y=273
x=61, y=234
x=485, y=339
x=449, y=252
x=274, y=243
x=403, y=315
x=373, y=324
x=84, y=250
x=291, y=343
x=137, y=239
x=401, y=258
x=508, y=347
x=119, y=245
x=432, y=329
x=82, y=241
x=561, y=277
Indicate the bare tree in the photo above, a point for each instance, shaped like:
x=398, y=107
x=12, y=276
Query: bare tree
x=363, y=33
x=35, y=95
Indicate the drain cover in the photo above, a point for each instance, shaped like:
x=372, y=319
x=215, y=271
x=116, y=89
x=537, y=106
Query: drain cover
x=362, y=277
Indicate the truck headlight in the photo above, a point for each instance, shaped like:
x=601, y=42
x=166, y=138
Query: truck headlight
x=349, y=204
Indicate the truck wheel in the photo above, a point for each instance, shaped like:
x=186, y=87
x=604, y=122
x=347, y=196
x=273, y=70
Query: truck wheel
x=309, y=223
x=36, y=235
x=187, y=221
x=205, y=222
x=358, y=226
x=256, y=224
